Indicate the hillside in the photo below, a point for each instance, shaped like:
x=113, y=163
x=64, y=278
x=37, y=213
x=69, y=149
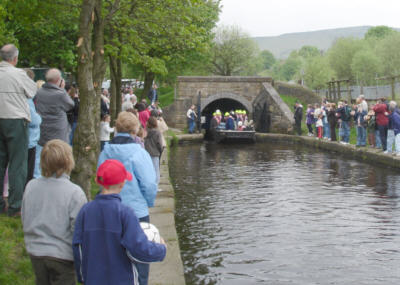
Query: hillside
x=281, y=46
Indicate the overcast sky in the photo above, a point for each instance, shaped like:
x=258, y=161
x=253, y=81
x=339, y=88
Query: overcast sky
x=275, y=17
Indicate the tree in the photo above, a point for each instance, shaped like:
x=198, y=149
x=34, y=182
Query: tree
x=317, y=72
x=162, y=34
x=389, y=54
x=341, y=56
x=91, y=68
x=44, y=32
x=378, y=32
x=365, y=66
x=233, y=51
x=309, y=51
x=290, y=68
x=267, y=59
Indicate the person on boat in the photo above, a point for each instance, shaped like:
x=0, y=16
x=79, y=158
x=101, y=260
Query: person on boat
x=230, y=123
x=241, y=127
x=214, y=125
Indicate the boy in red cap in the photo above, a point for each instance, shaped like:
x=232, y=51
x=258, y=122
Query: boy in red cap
x=108, y=239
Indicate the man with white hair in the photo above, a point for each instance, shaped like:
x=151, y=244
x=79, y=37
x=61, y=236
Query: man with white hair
x=364, y=104
x=15, y=88
x=52, y=104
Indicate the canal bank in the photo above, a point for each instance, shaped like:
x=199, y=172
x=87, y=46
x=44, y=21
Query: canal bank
x=370, y=155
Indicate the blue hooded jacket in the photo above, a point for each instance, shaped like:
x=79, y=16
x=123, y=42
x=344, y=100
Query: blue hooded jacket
x=140, y=193
x=34, y=125
x=396, y=121
x=107, y=240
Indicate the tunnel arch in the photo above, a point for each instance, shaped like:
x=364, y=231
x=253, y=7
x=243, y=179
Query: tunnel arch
x=229, y=97
x=225, y=102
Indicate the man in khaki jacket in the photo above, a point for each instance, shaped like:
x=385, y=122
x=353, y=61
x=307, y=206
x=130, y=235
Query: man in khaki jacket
x=15, y=88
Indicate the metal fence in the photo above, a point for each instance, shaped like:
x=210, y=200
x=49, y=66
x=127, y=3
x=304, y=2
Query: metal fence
x=370, y=92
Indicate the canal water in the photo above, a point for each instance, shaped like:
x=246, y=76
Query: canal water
x=283, y=214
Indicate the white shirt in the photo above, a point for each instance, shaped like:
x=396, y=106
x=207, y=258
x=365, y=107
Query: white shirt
x=15, y=88
x=105, y=131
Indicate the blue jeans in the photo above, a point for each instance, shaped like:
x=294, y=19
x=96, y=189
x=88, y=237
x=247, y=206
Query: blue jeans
x=327, y=130
x=397, y=143
x=390, y=141
x=378, y=143
x=345, y=131
x=156, y=165
x=37, y=171
x=361, y=136
x=143, y=269
x=192, y=125
x=71, y=134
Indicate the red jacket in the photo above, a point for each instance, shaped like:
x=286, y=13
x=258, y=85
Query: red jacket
x=381, y=118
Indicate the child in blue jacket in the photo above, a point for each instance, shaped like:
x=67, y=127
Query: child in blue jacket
x=108, y=240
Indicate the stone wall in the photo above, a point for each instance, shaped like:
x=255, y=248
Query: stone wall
x=282, y=120
x=245, y=90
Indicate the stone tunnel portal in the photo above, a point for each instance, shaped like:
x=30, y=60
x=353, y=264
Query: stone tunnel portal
x=224, y=105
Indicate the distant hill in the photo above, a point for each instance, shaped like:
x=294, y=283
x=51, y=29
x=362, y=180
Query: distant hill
x=281, y=46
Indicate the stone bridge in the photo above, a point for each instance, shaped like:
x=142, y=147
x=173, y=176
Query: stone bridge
x=256, y=95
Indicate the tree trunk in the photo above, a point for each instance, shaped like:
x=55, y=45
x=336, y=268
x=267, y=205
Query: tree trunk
x=91, y=69
x=148, y=82
x=114, y=88
x=119, y=84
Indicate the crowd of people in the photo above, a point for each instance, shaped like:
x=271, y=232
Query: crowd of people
x=377, y=124
x=235, y=120
x=66, y=237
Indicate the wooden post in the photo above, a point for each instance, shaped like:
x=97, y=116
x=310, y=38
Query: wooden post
x=338, y=87
x=392, y=86
x=334, y=91
x=348, y=91
x=329, y=91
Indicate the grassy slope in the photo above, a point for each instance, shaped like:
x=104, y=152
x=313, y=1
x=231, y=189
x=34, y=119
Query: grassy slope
x=15, y=265
x=165, y=95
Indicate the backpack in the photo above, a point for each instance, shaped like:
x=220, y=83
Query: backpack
x=346, y=114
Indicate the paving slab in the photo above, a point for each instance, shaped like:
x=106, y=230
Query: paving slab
x=162, y=215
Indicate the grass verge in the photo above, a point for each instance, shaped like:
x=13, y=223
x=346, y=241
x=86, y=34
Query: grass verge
x=15, y=265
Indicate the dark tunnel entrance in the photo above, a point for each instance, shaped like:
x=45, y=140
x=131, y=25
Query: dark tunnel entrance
x=224, y=105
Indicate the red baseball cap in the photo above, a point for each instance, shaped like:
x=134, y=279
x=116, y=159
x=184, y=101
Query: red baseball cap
x=112, y=172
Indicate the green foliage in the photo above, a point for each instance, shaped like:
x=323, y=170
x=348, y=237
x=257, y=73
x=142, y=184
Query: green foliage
x=389, y=54
x=365, y=66
x=233, y=52
x=15, y=265
x=309, y=52
x=317, y=72
x=286, y=70
x=45, y=34
x=157, y=34
x=267, y=59
x=341, y=56
x=378, y=32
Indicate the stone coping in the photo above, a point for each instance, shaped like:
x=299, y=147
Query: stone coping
x=224, y=79
x=162, y=215
x=367, y=154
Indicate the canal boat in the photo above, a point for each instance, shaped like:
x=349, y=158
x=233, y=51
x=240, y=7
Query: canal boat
x=234, y=136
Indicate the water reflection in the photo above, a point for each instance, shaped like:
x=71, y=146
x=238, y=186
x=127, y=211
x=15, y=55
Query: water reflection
x=273, y=214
